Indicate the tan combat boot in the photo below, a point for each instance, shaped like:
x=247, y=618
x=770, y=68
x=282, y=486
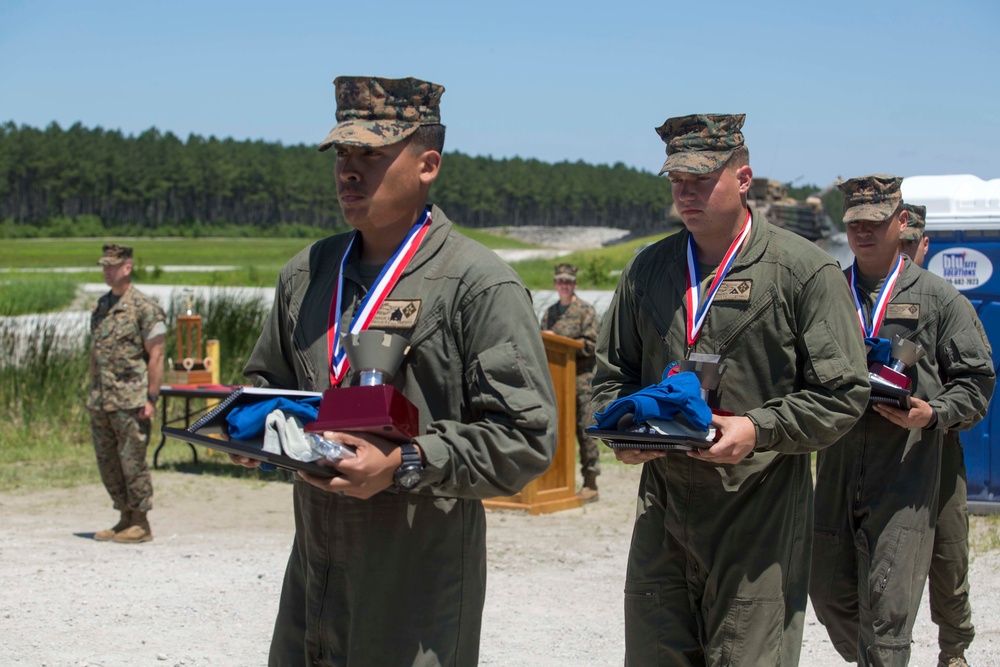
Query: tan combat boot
x=952, y=661
x=139, y=531
x=124, y=522
x=588, y=493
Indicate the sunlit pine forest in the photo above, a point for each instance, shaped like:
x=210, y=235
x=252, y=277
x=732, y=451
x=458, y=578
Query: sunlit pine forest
x=87, y=181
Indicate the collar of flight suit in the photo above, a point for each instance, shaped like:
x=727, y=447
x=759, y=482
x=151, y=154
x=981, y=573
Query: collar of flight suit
x=910, y=274
x=432, y=242
x=752, y=251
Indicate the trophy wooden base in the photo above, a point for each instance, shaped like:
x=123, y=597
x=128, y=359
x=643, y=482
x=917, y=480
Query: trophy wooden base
x=188, y=377
x=378, y=409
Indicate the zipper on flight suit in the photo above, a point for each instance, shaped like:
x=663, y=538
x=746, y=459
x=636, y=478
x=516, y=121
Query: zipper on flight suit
x=751, y=316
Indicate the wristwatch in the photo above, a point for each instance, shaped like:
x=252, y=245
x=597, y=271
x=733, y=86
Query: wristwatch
x=152, y=398
x=410, y=471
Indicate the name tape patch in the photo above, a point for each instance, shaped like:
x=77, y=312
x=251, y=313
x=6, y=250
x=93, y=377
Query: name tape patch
x=902, y=311
x=734, y=290
x=397, y=314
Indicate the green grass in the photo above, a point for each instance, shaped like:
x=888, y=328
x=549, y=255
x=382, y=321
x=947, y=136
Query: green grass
x=492, y=240
x=150, y=252
x=262, y=253
x=22, y=294
x=599, y=268
x=258, y=261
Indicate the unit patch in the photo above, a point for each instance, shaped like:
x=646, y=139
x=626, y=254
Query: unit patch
x=734, y=290
x=396, y=314
x=902, y=311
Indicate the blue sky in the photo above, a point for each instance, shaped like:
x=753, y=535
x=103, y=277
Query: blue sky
x=829, y=89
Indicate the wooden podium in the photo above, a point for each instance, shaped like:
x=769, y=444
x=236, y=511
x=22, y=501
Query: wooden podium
x=555, y=490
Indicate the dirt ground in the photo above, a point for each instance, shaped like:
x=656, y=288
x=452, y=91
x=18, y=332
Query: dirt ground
x=205, y=591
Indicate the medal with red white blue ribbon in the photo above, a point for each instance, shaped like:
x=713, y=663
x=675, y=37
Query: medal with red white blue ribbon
x=870, y=327
x=695, y=314
x=370, y=304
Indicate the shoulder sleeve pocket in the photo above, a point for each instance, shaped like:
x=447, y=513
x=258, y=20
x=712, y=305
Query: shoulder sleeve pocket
x=499, y=387
x=966, y=352
x=828, y=365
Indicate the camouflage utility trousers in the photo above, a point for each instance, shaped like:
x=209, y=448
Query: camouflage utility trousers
x=120, y=441
x=590, y=452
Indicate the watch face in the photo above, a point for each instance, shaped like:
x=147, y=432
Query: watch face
x=408, y=479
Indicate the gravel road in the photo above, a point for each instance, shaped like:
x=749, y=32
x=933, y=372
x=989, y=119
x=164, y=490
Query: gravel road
x=205, y=591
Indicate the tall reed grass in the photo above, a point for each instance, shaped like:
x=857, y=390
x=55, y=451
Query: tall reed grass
x=20, y=295
x=234, y=318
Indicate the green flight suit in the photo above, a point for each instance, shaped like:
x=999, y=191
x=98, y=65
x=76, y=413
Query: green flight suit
x=948, y=577
x=400, y=579
x=877, y=488
x=579, y=322
x=719, y=564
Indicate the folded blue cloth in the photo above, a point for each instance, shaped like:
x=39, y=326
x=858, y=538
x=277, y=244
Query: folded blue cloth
x=880, y=350
x=246, y=422
x=679, y=393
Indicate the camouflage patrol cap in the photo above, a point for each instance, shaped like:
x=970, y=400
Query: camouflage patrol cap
x=372, y=111
x=566, y=272
x=700, y=143
x=115, y=254
x=873, y=198
x=915, y=225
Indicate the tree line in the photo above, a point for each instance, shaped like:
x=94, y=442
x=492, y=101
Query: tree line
x=83, y=180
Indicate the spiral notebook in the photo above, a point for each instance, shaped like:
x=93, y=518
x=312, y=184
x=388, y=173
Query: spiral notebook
x=649, y=441
x=886, y=393
x=211, y=430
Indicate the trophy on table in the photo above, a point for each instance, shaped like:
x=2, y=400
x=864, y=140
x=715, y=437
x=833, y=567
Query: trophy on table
x=890, y=385
x=193, y=367
x=372, y=405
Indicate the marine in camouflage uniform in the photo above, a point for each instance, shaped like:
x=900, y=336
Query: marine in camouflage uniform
x=384, y=574
x=877, y=488
x=948, y=578
x=718, y=568
x=574, y=318
x=126, y=368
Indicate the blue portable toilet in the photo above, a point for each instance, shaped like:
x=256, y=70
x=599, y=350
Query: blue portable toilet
x=963, y=225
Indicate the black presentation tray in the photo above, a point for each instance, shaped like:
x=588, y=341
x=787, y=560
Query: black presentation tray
x=649, y=441
x=213, y=423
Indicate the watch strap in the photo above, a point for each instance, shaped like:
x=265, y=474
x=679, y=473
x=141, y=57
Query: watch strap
x=410, y=455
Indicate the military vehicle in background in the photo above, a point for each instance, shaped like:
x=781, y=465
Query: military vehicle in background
x=806, y=218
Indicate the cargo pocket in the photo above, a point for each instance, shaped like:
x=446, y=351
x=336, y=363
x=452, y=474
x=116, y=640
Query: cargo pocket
x=499, y=384
x=823, y=571
x=891, y=589
x=643, y=625
x=752, y=632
